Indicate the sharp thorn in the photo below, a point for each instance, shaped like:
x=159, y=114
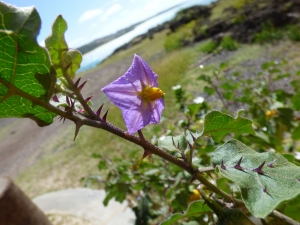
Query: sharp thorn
x=88, y=98
x=173, y=142
x=68, y=101
x=145, y=154
x=194, y=139
x=223, y=166
x=72, y=105
x=259, y=169
x=82, y=85
x=55, y=98
x=77, y=82
x=78, y=126
x=105, y=116
x=99, y=110
x=208, y=173
x=190, y=145
x=265, y=190
x=271, y=164
x=238, y=165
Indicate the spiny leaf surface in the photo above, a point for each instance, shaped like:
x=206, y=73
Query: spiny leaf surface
x=65, y=60
x=261, y=192
x=196, y=208
x=217, y=125
x=25, y=68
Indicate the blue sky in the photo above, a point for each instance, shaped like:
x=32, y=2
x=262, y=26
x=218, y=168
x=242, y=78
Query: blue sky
x=90, y=19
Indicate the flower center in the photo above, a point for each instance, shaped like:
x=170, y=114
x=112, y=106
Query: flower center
x=150, y=94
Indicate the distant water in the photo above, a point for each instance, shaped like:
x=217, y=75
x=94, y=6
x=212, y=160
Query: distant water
x=94, y=57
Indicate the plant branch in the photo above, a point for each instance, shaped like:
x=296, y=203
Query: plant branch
x=80, y=98
x=137, y=140
x=283, y=217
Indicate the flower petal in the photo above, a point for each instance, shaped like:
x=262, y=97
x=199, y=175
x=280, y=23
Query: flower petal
x=141, y=69
x=148, y=113
x=136, y=119
x=157, y=108
x=125, y=92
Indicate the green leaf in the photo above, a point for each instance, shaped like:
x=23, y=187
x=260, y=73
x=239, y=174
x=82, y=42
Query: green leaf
x=217, y=125
x=222, y=183
x=209, y=90
x=262, y=190
x=296, y=133
x=65, y=61
x=180, y=140
x=296, y=101
x=26, y=74
x=142, y=211
x=196, y=208
x=291, y=208
x=205, y=78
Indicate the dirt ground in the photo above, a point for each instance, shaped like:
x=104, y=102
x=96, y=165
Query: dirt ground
x=22, y=142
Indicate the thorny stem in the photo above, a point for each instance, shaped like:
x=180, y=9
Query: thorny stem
x=134, y=139
x=80, y=98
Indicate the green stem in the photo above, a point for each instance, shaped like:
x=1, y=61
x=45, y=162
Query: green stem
x=283, y=217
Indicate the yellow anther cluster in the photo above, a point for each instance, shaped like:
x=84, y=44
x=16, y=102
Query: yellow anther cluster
x=150, y=94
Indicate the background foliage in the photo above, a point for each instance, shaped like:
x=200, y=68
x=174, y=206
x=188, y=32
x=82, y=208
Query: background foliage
x=155, y=187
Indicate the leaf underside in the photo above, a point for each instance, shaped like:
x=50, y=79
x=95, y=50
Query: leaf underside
x=262, y=190
x=25, y=68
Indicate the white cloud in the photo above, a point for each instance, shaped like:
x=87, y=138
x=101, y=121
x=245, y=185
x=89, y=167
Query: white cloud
x=76, y=42
x=87, y=15
x=113, y=9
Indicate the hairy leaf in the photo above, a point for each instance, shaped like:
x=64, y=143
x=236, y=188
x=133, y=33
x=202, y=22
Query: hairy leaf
x=194, y=209
x=65, y=61
x=217, y=125
x=180, y=140
x=26, y=74
x=265, y=179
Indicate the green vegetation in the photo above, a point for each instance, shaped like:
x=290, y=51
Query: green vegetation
x=228, y=43
x=293, y=32
x=268, y=34
x=209, y=84
x=180, y=38
x=209, y=46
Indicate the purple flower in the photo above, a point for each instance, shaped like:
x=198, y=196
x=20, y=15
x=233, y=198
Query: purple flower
x=137, y=95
